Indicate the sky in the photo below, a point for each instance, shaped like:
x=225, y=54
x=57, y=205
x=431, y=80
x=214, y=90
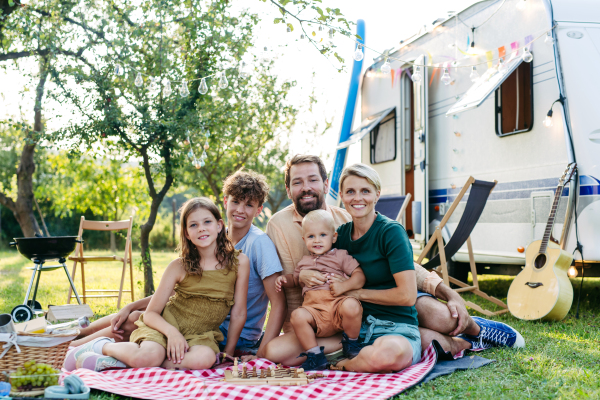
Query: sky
x=387, y=22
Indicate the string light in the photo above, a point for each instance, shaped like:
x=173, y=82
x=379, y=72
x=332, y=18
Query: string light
x=302, y=36
x=289, y=29
x=548, y=120
x=243, y=70
x=264, y=55
x=386, y=67
x=573, y=272
x=206, y=146
x=203, y=88
x=527, y=56
x=183, y=89
x=474, y=75
x=501, y=66
x=119, y=71
x=154, y=88
x=416, y=76
x=358, y=53
x=139, y=81
x=223, y=83
x=446, y=78
x=549, y=39
x=167, y=89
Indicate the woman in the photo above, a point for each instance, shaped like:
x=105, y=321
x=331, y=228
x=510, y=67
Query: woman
x=389, y=333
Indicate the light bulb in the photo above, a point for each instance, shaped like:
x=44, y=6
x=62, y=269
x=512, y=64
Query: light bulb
x=264, y=55
x=527, y=56
x=572, y=272
x=202, y=163
x=501, y=66
x=386, y=67
x=358, y=53
x=549, y=39
x=154, y=88
x=190, y=154
x=331, y=31
x=521, y=4
x=243, y=70
x=474, y=75
x=183, y=90
x=206, y=146
x=167, y=89
x=204, y=155
x=416, y=76
x=186, y=142
x=223, y=83
x=302, y=36
x=139, y=81
x=289, y=29
x=119, y=71
x=197, y=164
x=548, y=120
x=446, y=78
x=207, y=134
x=203, y=88
x=320, y=28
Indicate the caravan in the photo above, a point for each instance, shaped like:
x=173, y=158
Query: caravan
x=504, y=90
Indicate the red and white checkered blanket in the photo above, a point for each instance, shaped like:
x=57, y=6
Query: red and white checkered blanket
x=158, y=383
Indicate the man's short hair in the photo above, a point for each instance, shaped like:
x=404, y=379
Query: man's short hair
x=246, y=185
x=319, y=216
x=300, y=159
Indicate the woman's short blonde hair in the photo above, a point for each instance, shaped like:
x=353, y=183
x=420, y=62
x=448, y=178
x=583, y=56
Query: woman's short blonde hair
x=362, y=171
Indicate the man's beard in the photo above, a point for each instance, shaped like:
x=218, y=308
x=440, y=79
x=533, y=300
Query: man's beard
x=303, y=210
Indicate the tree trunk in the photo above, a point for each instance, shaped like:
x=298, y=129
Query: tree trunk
x=23, y=207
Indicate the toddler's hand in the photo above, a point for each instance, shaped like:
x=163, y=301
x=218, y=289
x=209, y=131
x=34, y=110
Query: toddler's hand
x=336, y=288
x=279, y=281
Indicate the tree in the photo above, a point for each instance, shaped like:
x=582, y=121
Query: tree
x=101, y=185
x=168, y=42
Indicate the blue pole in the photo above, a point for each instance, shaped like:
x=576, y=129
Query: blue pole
x=340, y=156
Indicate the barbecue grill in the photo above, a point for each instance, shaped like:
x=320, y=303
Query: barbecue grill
x=39, y=250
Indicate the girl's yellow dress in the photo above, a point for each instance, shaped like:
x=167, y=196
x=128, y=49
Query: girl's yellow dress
x=200, y=304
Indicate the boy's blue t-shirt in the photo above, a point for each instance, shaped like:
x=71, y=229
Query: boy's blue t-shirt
x=264, y=262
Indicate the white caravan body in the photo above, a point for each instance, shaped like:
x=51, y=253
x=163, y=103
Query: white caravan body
x=422, y=146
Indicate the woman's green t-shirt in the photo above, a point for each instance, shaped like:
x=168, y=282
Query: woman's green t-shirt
x=383, y=251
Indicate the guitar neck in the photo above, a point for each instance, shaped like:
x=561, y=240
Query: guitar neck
x=550, y=224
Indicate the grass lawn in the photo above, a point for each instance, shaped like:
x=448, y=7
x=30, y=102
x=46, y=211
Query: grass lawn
x=561, y=359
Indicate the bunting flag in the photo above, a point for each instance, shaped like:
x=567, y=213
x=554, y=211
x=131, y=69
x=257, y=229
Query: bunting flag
x=514, y=46
x=502, y=53
x=393, y=73
x=489, y=56
x=435, y=70
x=529, y=42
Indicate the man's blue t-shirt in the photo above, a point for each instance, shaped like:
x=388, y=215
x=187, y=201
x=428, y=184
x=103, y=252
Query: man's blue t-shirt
x=264, y=262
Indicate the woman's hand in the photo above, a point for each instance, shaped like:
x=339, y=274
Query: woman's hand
x=353, y=293
x=177, y=346
x=312, y=278
x=249, y=358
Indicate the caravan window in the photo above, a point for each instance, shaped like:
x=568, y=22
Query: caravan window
x=383, y=140
x=514, y=102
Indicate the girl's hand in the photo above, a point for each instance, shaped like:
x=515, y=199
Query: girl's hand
x=177, y=346
x=280, y=280
x=312, y=278
x=117, y=321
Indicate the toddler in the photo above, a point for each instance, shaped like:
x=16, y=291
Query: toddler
x=325, y=310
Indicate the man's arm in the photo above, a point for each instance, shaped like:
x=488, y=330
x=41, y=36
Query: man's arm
x=456, y=305
x=276, y=315
x=426, y=281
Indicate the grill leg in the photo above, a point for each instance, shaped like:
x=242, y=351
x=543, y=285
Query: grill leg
x=37, y=283
x=72, y=284
x=30, y=285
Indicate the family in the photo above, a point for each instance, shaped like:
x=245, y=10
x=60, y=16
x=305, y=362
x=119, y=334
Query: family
x=335, y=278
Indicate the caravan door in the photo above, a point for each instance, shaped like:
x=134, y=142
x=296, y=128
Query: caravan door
x=420, y=204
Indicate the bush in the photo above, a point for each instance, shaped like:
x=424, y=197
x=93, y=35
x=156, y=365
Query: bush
x=161, y=236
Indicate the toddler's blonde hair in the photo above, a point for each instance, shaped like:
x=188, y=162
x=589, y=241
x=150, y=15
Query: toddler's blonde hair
x=318, y=216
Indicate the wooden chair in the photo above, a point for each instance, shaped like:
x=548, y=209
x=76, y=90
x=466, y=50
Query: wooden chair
x=478, y=195
x=126, y=259
x=393, y=207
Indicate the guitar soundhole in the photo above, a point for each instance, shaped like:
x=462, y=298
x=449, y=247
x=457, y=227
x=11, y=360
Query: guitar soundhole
x=540, y=261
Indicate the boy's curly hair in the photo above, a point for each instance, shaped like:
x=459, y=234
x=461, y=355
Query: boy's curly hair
x=246, y=185
x=190, y=256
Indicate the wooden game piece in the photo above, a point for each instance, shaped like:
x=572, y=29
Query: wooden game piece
x=255, y=374
x=275, y=376
x=295, y=373
x=234, y=370
x=244, y=371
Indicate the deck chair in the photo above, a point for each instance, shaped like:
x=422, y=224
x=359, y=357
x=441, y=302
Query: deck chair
x=393, y=207
x=480, y=191
x=79, y=258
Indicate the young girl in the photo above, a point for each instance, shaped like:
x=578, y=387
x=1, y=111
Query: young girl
x=181, y=330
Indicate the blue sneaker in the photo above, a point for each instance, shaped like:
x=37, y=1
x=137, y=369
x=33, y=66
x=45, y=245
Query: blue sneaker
x=314, y=361
x=495, y=334
x=351, y=348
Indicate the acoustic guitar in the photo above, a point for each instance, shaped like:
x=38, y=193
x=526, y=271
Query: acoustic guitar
x=543, y=289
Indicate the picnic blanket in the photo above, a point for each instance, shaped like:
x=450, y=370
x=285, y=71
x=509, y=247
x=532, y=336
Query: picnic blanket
x=158, y=383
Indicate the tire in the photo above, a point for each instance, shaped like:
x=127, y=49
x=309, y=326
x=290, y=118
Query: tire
x=21, y=313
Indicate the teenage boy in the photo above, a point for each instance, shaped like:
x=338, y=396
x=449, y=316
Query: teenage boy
x=244, y=195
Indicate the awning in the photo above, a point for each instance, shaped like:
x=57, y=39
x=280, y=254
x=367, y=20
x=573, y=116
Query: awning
x=484, y=86
x=366, y=126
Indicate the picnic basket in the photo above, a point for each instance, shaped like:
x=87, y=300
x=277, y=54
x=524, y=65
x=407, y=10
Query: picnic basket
x=53, y=356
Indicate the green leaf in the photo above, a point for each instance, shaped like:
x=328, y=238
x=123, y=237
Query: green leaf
x=11, y=3
x=277, y=20
x=282, y=10
x=291, y=27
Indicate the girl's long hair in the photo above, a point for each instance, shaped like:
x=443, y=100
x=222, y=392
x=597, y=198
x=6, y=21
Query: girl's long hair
x=188, y=252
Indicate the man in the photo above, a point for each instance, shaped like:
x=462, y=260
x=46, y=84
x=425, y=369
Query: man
x=449, y=323
x=244, y=195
